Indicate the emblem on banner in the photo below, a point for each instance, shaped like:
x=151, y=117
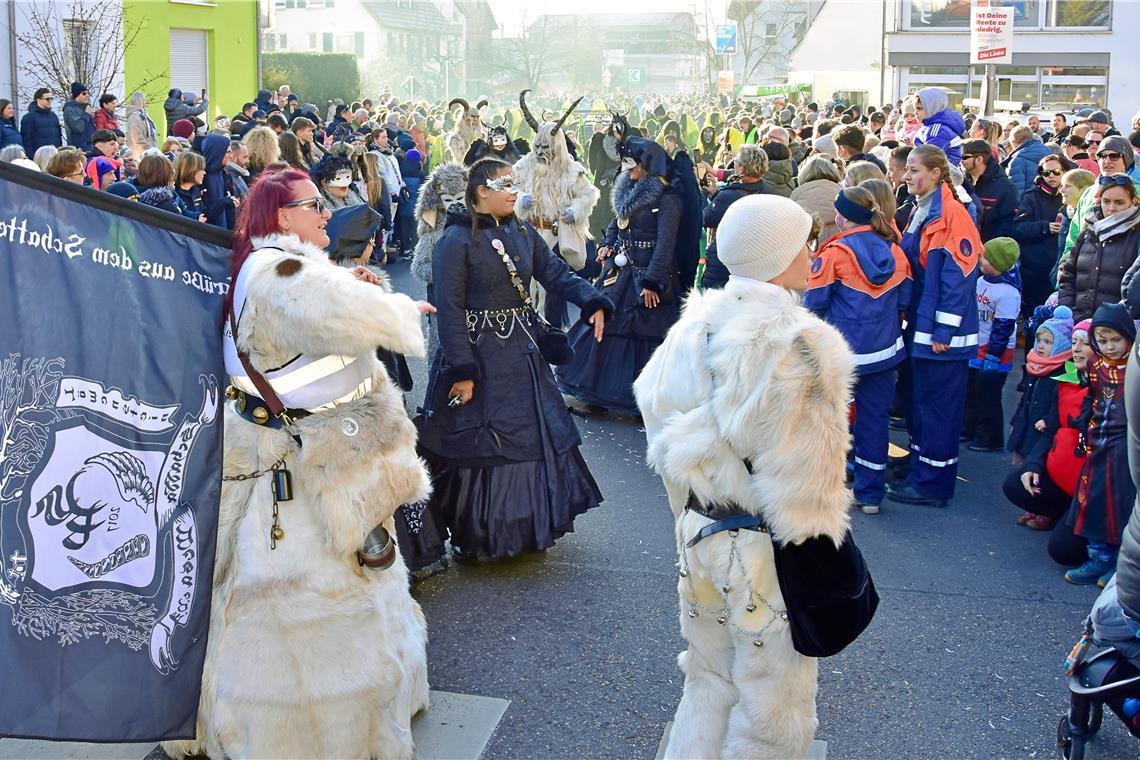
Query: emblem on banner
x=95, y=540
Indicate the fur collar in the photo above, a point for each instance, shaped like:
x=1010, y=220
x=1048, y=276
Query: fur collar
x=290, y=244
x=627, y=197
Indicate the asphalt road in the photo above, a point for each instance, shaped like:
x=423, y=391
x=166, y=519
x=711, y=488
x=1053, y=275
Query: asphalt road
x=963, y=658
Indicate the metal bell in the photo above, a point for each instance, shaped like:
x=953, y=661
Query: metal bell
x=684, y=573
x=757, y=643
x=692, y=613
x=722, y=620
x=783, y=616
x=751, y=607
x=232, y=392
x=726, y=588
x=279, y=533
x=260, y=415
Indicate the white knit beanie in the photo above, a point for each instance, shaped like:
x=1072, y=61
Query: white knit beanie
x=761, y=235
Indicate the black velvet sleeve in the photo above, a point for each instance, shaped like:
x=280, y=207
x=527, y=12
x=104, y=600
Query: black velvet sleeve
x=662, y=264
x=449, y=279
x=555, y=275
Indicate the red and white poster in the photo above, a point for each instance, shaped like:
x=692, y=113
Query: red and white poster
x=991, y=34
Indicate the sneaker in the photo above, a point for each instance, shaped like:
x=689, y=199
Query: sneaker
x=1025, y=517
x=869, y=509
x=1037, y=522
x=1103, y=580
x=1089, y=573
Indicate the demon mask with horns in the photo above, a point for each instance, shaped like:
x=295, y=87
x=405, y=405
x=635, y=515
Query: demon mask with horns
x=468, y=128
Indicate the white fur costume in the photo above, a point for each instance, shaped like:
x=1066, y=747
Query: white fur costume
x=468, y=128
x=311, y=655
x=747, y=373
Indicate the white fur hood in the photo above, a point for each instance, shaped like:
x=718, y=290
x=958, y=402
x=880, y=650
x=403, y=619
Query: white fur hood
x=748, y=373
x=311, y=306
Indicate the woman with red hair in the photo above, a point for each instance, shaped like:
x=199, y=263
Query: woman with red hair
x=316, y=648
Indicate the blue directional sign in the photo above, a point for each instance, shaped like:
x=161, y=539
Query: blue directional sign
x=726, y=39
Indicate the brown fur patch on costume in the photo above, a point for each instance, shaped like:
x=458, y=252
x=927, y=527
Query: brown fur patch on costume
x=288, y=267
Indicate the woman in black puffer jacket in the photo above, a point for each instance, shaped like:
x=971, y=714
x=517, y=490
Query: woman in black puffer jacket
x=1094, y=270
x=1035, y=228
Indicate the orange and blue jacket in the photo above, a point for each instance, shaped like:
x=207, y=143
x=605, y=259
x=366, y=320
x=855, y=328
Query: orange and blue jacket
x=860, y=283
x=943, y=254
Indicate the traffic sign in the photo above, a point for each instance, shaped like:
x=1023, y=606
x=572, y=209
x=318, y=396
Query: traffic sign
x=726, y=39
x=634, y=76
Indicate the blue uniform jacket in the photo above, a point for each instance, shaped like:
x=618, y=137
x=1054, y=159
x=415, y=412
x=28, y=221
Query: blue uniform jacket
x=860, y=283
x=943, y=254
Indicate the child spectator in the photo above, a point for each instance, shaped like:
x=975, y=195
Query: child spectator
x=1045, y=485
x=104, y=167
x=189, y=171
x=941, y=124
x=1051, y=349
x=860, y=283
x=1105, y=492
x=999, y=303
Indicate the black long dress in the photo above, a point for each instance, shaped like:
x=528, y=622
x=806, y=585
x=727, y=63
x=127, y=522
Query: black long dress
x=506, y=470
x=644, y=239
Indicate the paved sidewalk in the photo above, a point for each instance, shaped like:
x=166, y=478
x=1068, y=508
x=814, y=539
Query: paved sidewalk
x=457, y=727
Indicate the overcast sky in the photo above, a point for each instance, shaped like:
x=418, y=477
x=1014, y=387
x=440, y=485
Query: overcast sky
x=509, y=13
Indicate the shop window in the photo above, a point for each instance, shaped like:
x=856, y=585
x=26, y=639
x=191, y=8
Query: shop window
x=955, y=93
x=1079, y=13
x=956, y=13
x=953, y=71
x=1070, y=97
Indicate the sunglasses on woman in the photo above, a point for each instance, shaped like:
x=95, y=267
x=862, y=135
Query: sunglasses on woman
x=1114, y=180
x=317, y=204
x=1050, y=172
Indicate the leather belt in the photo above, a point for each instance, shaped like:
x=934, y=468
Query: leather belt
x=724, y=517
x=544, y=224
x=254, y=409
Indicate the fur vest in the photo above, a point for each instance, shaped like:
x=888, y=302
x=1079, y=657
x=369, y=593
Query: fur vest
x=749, y=373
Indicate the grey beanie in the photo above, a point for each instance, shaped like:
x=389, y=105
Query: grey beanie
x=1121, y=146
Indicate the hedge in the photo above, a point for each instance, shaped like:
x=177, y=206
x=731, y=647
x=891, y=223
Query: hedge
x=315, y=77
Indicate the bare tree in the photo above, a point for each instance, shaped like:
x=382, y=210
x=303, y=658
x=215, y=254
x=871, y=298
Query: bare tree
x=762, y=30
x=78, y=42
x=536, y=54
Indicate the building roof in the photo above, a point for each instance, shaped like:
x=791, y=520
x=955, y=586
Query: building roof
x=422, y=16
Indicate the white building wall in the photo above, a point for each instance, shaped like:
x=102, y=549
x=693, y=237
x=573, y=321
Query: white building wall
x=13, y=82
x=304, y=28
x=842, y=50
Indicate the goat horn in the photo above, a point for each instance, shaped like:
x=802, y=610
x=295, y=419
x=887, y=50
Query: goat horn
x=481, y=104
x=569, y=111
x=530, y=120
x=460, y=101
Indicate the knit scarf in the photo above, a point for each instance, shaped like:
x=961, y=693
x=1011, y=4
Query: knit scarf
x=1041, y=366
x=1116, y=223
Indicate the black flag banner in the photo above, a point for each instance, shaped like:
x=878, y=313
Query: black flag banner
x=110, y=461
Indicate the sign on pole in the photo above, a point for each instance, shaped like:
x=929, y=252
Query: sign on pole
x=991, y=34
x=726, y=39
x=725, y=81
x=614, y=57
x=634, y=76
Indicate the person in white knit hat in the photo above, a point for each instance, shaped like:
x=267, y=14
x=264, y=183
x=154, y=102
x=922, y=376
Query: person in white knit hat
x=745, y=409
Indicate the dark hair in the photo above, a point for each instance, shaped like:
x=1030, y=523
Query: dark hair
x=1063, y=117
x=154, y=171
x=277, y=120
x=41, y=92
x=850, y=137
x=291, y=150
x=328, y=166
x=901, y=153
x=106, y=98
x=4, y=103
x=1133, y=137
x=879, y=116
x=102, y=136
x=248, y=106
x=481, y=171
x=776, y=151
x=978, y=148
x=1077, y=142
x=824, y=127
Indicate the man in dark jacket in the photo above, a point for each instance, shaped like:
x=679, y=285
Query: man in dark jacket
x=849, y=142
x=77, y=118
x=1035, y=229
x=217, y=201
x=993, y=188
x=750, y=166
x=40, y=125
x=177, y=107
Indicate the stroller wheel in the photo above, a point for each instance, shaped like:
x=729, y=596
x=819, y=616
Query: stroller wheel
x=1096, y=717
x=1064, y=738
